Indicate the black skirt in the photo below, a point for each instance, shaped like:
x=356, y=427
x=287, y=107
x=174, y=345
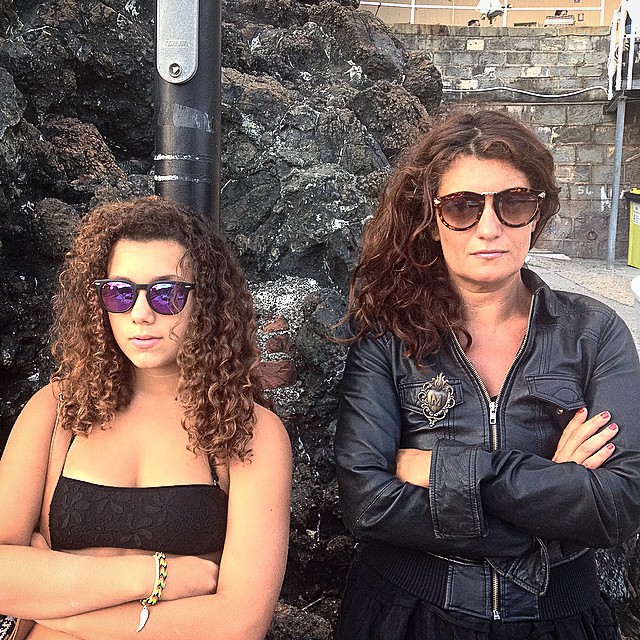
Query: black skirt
x=375, y=609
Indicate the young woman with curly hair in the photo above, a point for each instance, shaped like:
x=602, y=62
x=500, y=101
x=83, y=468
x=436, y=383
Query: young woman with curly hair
x=158, y=504
x=473, y=442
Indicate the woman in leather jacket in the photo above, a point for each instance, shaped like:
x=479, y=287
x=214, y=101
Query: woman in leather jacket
x=487, y=435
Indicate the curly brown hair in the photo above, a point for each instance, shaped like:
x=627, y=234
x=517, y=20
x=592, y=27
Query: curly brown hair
x=218, y=382
x=401, y=283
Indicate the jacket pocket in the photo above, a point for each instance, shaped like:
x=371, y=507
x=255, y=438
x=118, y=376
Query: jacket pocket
x=561, y=396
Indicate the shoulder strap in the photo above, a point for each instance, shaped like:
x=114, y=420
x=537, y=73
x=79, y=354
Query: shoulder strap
x=60, y=443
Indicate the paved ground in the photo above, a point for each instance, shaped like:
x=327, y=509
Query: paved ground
x=593, y=278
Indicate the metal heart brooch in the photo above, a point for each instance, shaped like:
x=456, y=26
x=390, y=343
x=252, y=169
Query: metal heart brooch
x=436, y=398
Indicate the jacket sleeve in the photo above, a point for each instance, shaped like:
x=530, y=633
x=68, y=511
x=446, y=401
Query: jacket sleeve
x=378, y=506
x=561, y=501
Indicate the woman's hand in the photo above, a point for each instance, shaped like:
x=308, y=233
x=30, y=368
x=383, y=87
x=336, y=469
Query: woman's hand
x=585, y=442
x=413, y=466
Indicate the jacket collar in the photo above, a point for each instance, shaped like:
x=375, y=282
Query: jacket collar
x=544, y=298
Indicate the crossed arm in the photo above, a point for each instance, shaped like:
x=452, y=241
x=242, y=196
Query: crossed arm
x=89, y=596
x=583, y=441
x=478, y=501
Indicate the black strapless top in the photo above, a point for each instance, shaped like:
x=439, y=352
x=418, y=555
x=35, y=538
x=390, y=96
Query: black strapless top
x=186, y=519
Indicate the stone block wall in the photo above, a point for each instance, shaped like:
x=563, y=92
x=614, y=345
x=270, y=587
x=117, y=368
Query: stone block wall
x=566, y=67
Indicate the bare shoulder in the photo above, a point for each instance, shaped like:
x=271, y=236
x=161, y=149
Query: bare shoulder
x=269, y=432
x=267, y=420
x=30, y=436
x=40, y=410
x=46, y=397
x=270, y=445
x=23, y=468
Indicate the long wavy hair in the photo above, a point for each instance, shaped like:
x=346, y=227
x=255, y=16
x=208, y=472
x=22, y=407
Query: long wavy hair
x=218, y=382
x=401, y=283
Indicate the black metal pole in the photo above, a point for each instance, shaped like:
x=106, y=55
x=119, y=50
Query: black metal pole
x=187, y=104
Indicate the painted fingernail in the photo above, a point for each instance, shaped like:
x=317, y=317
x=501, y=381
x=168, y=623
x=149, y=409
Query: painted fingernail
x=582, y=409
x=605, y=415
x=610, y=447
x=613, y=427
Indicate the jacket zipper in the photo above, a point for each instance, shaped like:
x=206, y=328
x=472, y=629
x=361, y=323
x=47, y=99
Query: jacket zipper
x=495, y=441
x=493, y=422
x=495, y=595
x=495, y=581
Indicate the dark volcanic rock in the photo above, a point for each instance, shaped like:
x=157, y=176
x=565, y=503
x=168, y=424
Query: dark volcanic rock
x=392, y=115
x=91, y=60
x=422, y=79
x=53, y=224
x=292, y=623
x=361, y=41
x=11, y=102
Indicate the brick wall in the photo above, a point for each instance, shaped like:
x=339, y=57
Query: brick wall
x=476, y=61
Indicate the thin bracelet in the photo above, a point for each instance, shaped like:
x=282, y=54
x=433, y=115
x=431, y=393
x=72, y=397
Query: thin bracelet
x=156, y=594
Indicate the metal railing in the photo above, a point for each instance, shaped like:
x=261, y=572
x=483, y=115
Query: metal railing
x=414, y=6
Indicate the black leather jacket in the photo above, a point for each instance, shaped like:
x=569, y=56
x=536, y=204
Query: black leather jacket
x=498, y=509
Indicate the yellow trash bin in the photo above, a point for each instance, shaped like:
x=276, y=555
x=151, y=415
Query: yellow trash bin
x=633, y=198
